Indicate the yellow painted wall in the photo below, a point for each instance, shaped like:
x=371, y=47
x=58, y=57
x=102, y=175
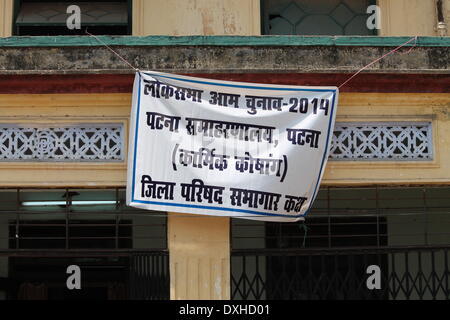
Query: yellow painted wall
x=64, y=108
x=196, y=17
x=242, y=17
x=199, y=249
x=410, y=17
x=447, y=14
x=73, y=108
x=199, y=246
x=395, y=107
x=6, y=15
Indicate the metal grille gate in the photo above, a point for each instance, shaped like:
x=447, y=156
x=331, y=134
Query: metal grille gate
x=406, y=273
x=149, y=276
x=146, y=272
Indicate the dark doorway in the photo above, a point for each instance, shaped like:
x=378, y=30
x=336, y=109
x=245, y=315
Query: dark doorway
x=42, y=278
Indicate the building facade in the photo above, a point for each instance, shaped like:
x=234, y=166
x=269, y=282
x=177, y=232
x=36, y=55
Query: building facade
x=65, y=102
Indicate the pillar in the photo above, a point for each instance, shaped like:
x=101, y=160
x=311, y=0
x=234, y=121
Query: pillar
x=199, y=249
x=196, y=17
x=408, y=17
x=6, y=17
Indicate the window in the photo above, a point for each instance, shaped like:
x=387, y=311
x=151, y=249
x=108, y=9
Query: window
x=315, y=17
x=78, y=234
x=37, y=18
x=76, y=219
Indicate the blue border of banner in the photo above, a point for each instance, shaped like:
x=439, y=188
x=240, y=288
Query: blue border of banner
x=221, y=208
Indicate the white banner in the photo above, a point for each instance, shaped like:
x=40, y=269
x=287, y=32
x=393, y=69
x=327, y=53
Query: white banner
x=222, y=148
